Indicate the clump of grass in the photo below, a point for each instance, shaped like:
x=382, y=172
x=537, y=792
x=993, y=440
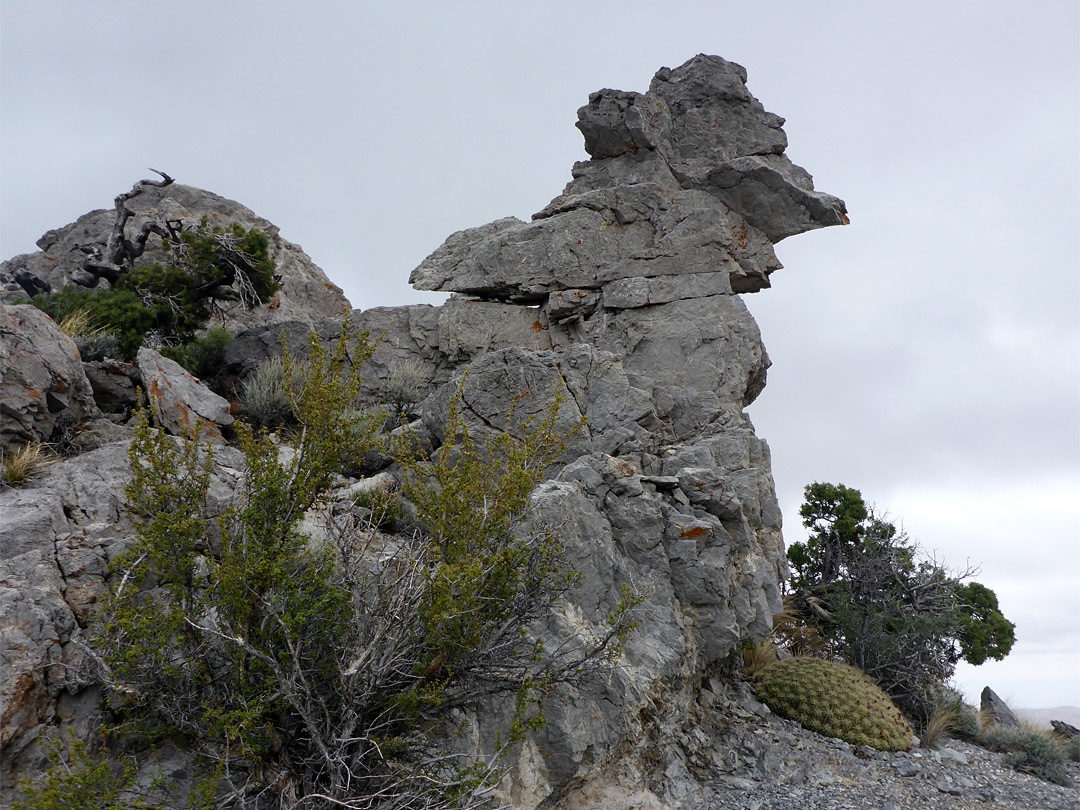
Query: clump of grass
x=406, y=382
x=23, y=466
x=833, y=699
x=943, y=720
x=79, y=323
x=758, y=656
x=93, y=342
x=1028, y=750
x=794, y=632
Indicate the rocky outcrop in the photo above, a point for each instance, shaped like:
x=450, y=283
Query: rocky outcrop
x=621, y=297
x=57, y=540
x=42, y=382
x=620, y=301
x=306, y=293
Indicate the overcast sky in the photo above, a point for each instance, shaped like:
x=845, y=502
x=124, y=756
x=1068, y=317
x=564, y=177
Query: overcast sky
x=928, y=354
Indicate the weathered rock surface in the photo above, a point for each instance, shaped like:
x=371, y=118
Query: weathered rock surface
x=687, y=179
x=996, y=709
x=180, y=400
x=306, y=293
x=620, y=301
x=41, y=378
x=57, y=539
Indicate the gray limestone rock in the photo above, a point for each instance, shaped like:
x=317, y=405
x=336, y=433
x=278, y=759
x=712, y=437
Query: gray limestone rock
x=688, y=178
x=179, y=399
x=114, y=383
x=620, y=301
x=996, y=709
x=42, y=382
x=56, y=542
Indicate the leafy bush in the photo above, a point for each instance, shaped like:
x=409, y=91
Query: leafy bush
x=79, y=780
x=308, y=665
x=119, y=311
x=833, y=699
x=904, y=621
x=172, y=301
x=1028, y=751
x=384, y=508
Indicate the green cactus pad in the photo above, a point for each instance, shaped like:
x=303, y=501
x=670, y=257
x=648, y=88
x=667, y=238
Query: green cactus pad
x=833, y=699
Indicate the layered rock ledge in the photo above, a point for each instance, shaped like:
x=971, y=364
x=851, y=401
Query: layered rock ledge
x=621, y=297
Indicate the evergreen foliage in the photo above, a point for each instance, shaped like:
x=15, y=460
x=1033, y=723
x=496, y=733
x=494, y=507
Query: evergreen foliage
x=312, y=669
x=833, y=699
x=903, y=620
x=172, y=301
x=204, y=356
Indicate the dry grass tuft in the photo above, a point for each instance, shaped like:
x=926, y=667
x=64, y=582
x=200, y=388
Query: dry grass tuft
x=793, y=632
x=79, y=323
x=758, y=656
x=943, y=720
x=23, y=466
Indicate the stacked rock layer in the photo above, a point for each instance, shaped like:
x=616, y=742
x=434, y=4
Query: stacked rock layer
x=621, y=299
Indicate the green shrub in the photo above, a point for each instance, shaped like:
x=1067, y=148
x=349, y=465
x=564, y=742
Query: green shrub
x=385, y=508
x=907, y=621
x=1071, y=747
x=1028, y=750
x=317, y=673
x=833, y=699
x=118, y=311
x=205, y=356
x=81, y=780
x=172, y=301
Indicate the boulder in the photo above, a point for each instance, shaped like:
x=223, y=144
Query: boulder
x=42, y=383
x=994, y=708
x=179, y=399
x=115, y=385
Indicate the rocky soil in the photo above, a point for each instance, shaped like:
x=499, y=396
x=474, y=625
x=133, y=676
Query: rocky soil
x=763, y=762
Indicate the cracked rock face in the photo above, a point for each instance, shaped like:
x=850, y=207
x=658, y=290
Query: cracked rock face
x=688, y=178
x=42, y=381
x=621, y=299
x=633, y=276
x=306, y=293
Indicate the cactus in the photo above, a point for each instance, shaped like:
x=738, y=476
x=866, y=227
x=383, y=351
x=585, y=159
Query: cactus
x=833, y=699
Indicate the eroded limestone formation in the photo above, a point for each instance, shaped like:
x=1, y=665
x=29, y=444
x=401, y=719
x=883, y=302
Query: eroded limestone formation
x=622, y=298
